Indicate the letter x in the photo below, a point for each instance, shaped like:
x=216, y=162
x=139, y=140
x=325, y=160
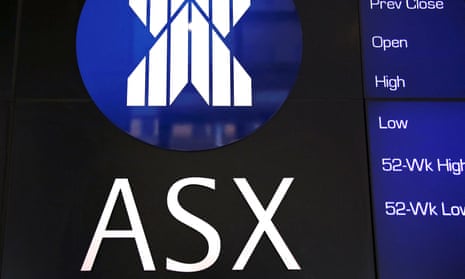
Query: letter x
x=265, y=225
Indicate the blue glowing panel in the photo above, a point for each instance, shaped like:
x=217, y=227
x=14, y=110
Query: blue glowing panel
x=189, y=75
x=413, y=48
x=418, y=187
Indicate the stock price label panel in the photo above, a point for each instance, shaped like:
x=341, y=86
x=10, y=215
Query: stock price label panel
x=418, y=177
x=413, y=48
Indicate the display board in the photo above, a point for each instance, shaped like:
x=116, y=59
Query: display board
x=232, y=139
x=414, y=69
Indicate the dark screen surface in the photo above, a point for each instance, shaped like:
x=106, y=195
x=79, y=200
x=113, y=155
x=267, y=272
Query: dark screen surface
x=47, y=58
x=8, y=13
x=4, y=117
x=66, y=156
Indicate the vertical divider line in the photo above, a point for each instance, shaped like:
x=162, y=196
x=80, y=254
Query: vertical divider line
x=231, y=56
x=168, y=54
x=189, y=43
x=147, y=60
x=210, y=52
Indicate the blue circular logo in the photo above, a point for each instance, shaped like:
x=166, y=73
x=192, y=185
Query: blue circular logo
x=189, y=74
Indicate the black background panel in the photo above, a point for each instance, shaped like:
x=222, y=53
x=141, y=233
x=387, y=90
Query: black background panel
x=47, y=65
x=331, y=66
x=4, y=117
x=4, y=121
x=66, y=156
x=8, y=11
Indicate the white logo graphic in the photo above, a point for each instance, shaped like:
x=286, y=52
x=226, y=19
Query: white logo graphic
x=189, y=49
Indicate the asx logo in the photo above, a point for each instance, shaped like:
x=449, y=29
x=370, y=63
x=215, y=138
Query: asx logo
x=189, y=75
x=265, y=226
x=189, y=47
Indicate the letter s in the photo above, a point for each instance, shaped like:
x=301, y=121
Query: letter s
x=207, y=231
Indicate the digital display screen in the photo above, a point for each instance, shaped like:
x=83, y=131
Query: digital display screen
x=414, y=77
x=413, y=48
x=232, y=139
x=417, y=162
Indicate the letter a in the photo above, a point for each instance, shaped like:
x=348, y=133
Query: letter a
x=136, y=232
